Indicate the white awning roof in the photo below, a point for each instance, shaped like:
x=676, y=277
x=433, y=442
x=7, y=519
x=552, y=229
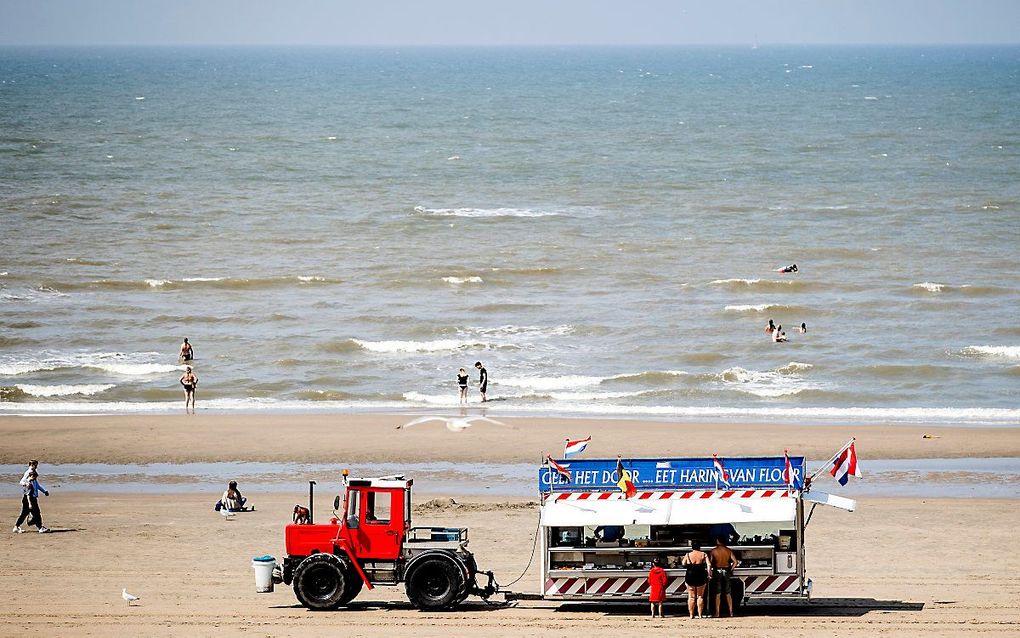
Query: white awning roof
x=572, y=513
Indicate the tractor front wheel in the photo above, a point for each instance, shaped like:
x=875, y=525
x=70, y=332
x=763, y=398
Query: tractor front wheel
x=322, y=582
x=435, y=584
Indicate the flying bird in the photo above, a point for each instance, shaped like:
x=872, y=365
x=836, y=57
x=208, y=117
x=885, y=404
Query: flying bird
x=130, y=598
x=455, y=424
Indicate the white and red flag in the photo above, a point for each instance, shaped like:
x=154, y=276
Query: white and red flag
x=570, y=448
x=844, y=464
x=563, y=469
x=717, y=462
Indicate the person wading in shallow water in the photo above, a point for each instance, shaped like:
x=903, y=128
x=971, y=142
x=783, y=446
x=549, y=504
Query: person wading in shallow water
x=190, y=382
x=187, y=352
x=483, y=379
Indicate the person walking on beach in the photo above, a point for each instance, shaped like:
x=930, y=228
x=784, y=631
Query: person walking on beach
x=724, y=561
x=33, y=466
x=696, y=578
x=187, y=352
x=190, y=382
x=483, y=379
x=657, y=587
x=462, y=381
x=30, y=504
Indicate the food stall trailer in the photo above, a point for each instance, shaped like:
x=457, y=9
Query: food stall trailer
x=676, y=501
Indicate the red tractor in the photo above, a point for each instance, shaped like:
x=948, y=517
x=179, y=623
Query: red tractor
x=371, y=542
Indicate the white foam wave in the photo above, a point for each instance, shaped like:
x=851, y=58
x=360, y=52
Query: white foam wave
x=438, y=345
x=521, y=331
x=307, y=278
x=930, y=286
x=134, y=364
x=725, y=282
x=483, y=212
x=201, y=279
x=63, y=390
x=781, y=382
x=157, y=283
x=1001, y=352
x=456, y=281
x=762, y=307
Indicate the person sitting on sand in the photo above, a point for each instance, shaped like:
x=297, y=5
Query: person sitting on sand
x=232, y=499
x=771, y=328
x=187, y=352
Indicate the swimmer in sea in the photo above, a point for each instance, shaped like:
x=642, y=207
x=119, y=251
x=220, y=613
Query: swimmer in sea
x=803, y=328
x=190, y=382
x=462, y=381
x=769, y=329
x=187, y=353
x=779, y=336
x=790, y=268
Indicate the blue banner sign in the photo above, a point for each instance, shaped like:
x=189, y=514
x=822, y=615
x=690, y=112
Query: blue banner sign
x=745, y=472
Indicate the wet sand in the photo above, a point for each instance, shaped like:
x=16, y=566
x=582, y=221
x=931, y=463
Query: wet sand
x=354, y=438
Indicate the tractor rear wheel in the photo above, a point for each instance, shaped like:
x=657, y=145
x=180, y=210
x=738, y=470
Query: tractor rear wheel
x=322, y=581
x=436, y=583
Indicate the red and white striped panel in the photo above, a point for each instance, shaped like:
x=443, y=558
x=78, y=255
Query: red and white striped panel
x=782, y=584
x=677, y=495
x=608, y=587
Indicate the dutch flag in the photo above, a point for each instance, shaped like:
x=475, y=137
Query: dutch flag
x=844, y=465
x=721, y=470
x=570, y=448
x=563, y=469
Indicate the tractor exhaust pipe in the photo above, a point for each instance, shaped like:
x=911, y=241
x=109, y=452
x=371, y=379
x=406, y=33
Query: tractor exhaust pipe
x=311, y=502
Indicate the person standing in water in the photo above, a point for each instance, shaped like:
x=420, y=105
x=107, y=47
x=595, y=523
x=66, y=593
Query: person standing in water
x=190, y=382
x=462, y=381
x=187, y=352
x=769, y=329
x=803, y=328
x=483, y=379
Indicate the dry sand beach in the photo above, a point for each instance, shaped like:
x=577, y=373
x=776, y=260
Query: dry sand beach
x=900, y=566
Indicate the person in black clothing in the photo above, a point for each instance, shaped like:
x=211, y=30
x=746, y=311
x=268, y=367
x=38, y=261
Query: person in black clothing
x=483, y=379
x=462, y=381
x=696, y=578
x=187, y=352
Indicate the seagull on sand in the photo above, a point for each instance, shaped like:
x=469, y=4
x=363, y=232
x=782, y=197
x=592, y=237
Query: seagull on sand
x=455, y=423
x=130, y=598
x=227, y=514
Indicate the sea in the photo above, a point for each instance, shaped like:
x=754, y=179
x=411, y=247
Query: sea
x=341, y=229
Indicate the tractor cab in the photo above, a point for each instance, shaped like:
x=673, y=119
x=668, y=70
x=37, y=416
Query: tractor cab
x=376, y=516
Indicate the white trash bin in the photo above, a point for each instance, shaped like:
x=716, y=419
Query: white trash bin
x=264, y=566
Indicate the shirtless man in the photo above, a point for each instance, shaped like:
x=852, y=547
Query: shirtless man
x=723, y=560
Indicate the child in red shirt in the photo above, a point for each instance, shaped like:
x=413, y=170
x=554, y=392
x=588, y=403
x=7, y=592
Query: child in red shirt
x=657, y=587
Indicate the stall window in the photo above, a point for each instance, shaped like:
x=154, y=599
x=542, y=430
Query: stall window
x=378, y=506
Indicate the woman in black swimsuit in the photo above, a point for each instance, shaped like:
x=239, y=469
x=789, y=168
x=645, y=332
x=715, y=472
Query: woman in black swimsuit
x=190, y=382
x=696, y=578
x=462, y=380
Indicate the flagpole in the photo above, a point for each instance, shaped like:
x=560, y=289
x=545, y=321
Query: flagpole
x=832, y=458
x=565, y=442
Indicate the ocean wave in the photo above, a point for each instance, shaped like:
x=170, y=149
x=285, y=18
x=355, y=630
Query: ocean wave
x=929, y=286
x=64, y=390
x=762, y=307
x=526, y=331
x=124, y=364
x=437, y=345
x=779, y=382
x=651, y=376
x=761, y=284
x=997, y=352
x=969, y=290
x=456, y=281
x=223, y=283
x=483, y=212
x=566, y=382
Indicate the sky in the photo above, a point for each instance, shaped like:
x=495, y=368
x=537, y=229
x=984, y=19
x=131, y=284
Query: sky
x=517, y=22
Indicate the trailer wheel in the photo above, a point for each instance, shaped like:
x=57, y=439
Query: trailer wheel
x=321, y=582
x=435, y=583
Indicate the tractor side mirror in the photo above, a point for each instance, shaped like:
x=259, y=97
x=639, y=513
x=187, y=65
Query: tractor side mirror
x=336, y=503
